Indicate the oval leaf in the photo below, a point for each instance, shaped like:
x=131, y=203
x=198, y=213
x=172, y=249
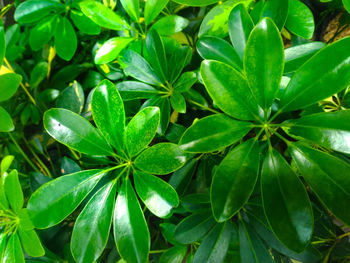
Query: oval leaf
x=6, y=124
x=66, y=42
x=111, y=49
x=13, y=190
x=9, y=85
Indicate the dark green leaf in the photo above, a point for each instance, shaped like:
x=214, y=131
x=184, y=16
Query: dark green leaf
x=175, y=254
x=130, y=228
x=76, y=132
x=131, y=90
x=2, y=44
x=162, y=158
x=38, y=74
x=84, y=24
x=111, y=49
x=181, y=178
x=185, y=82
x=153, y=8
x=179, y=58
x=170, y=25
x=9, y=85
x=66, y=42
x=42, y=32
x=277, y=10
x=164, y=105
x=13, y=190
x=72, y=98
x=132, y=7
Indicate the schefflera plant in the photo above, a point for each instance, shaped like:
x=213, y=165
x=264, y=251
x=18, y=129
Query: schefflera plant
x=54, y=201
x=264, y=116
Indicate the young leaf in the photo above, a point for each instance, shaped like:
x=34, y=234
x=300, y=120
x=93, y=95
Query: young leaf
x=153, y=8
x=194, y=227
x=264, y=61
x=6, y=124
x=132, y=7
x=300, y=19
x=65, y=39
x=131, y=232
x=108, y=112
x=329, y=129
x=173, y=255
x=162, y=158
x=215, y=245
x=327, y=176
x=286, y=203
x=31, y=242
x=13, y=190
x=55, y=200
x=13, y=251
x=170, y=25
x=159, y=197
x=84, y=24
x=75, y=132
x=9, y=85
x=91, y=229
x=219, y=80
x=111, y=49
x=240, y=26
x=212, y=133
x=102, y=15
x=234, y=180
x=132, y=90
x=323, y=75
x=141, y=130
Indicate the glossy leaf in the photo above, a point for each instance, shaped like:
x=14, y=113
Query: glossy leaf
x=325, y=74
x=277, y=10
x=185, y=82
x=300, y=19
x=213, y=133
x=111, y=49
x=42, y=32
x=234, y=180
x=108, y=112
x=2, y=44
x=327, y=176
x=130, y=228
x=72, y=98
x=34, y=10
x=55, y=200
x=84, y=24
x=131, y=90
x=178, y=102
x=6, y=163
x=218, y=49
x=181, y=178
x=162, y=158
x=176, y=254
x=66, y=42
x=263, y=62
x=132, y=7
x=346, y=4
x=219, y=80
x=153, y=8
x=75, y=132
x=331, y=129
x=91, y=229
x=9, y=85
x=298, y=55
x=38, y=74
x=240, y=26
x=159, y=197
x=215, y=245
x=170, y=25
x=178, y=61
x=286, y=203
x=6, y=124
x=13, y=190
x=136, y=66
x=31, y=242
x=102, y=15
x=196, y=2
x=194, y=227
x=13, y=251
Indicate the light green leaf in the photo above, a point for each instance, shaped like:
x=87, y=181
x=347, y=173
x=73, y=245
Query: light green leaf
x=176, y=254
x=13, y=190
x=2, y=44
x=196, y=2
x=31, y=242
x=153, y=8
x=132, y=7
x=66, y=42
x=6, y=124
x=277, y=10
x=42, y=33
x=170, y=25
x=131, y=90
x=111, y=49
x=13, y=251
x=9, y=85
x=84, y=24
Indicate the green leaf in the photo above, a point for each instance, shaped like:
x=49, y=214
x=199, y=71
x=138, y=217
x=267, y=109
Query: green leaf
x=2, y=44
x=264, y=61
x=102, y=15
x=13, y=190
x=179, y=58
x=181, y=178
x=214, y=48
x=9, y=85
x=34, y=10
x=213, y=133
x=132, y=7
x=277, y=10
x=13, y=251
x=300, y=19
x=215, y=245
x=159, y=197
x=75, y=132
x=6, y=124
x=346, y=4
x=156, y=54
x=31, y=242
x=6, y=163
x=42, y=33
x=162, y=158
x=84, y=24
x=141, y=130
x=286, y=203
x=153, y=8
x=327, y=176
x=323, y=75
x=229, y=90
x=170, y=25
x=91, y=229
x=194, y=227
x=108, y=112
x=215, y=23
x=132, y=90
x=131, y=232
x=298, y=55
x=164, y=105
x=55, y=200
x=185, y=82
x=176, y=254
x=196, y=2
x=137, y=67
x=240, y=26
x=66, y=42
x=72, y=98
x=178, y=102
x=234, y=180
x=331, y=129
x=38, y=74
x=111, y=49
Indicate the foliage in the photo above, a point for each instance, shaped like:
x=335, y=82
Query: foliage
x=174, y=131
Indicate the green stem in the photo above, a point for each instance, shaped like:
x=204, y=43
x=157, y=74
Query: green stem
x=281, y=137
x=157, y=251
x=203, y=107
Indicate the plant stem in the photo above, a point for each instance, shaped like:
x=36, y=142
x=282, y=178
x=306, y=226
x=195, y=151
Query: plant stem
x=157, y=251
x=203, y=107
